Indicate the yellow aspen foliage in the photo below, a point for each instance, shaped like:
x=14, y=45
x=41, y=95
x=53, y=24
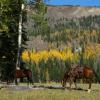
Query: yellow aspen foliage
x=55, y=54
x=44, y=55
x=70, y=55
x=25, y=56
x=35, y=57
x=64, y=56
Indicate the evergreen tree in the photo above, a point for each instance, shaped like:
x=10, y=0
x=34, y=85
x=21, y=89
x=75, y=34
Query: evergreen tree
x=9, y=23
x=41, y=26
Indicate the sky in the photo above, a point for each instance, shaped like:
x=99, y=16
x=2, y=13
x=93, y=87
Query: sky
x=74, y=2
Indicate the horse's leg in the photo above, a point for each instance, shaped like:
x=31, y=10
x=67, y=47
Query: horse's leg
x=64, y=83
x=84, y=80
x=31, y=81
x=28, y=81
x=70, y=83
x=21, y=79
x=90, y=83
x=75, y=83
x=7, y=81
x=16, y=82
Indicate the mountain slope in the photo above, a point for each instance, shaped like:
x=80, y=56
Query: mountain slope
x=71, y=11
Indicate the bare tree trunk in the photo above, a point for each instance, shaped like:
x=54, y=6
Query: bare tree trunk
x=19, y=38
x=19, y=42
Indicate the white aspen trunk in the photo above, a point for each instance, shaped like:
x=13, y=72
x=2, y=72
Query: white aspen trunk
x=19, y=38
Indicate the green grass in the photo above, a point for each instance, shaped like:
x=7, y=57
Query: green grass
x=52, y=94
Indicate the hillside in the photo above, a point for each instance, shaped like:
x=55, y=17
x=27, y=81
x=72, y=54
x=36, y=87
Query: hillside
x=71, y=11
x=68, y=11
x=58, y=17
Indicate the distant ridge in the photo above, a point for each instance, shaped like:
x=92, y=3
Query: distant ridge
x=67, y=11
x=71, y=11
x=70, y=5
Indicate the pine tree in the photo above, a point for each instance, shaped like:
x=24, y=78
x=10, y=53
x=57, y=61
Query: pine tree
x=41, y=26
x=10, y=12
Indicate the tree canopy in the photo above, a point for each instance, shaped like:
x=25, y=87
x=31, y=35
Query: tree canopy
x=9, y=23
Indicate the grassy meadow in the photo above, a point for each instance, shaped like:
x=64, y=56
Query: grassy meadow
x=52, y=94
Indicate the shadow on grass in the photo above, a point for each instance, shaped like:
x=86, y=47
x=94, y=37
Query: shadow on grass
x=59, y=87
x=39, y=87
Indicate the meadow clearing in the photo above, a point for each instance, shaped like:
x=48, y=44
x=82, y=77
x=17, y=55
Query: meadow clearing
x=51, y=94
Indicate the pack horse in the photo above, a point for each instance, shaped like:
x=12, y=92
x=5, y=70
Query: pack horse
x=79, y=72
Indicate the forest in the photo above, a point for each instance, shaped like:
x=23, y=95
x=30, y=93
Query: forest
x=70, y=41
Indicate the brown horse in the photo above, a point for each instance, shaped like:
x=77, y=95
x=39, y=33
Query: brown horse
x=23, y=73
x=77, y=72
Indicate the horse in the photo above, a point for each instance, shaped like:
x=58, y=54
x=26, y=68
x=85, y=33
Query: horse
x=78, y=72
x=23, y=73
